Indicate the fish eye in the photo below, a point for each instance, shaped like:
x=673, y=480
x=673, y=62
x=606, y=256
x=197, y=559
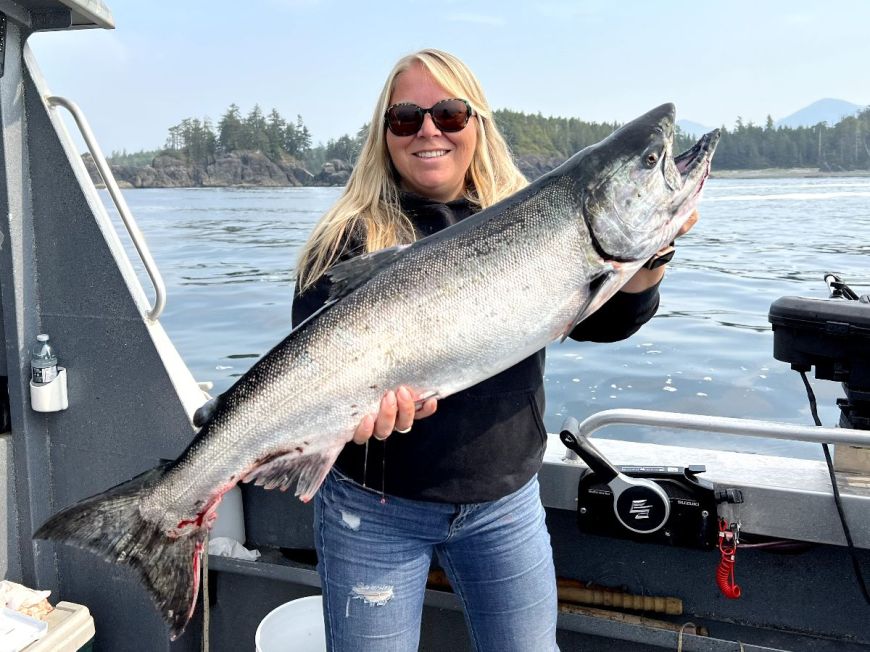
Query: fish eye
x=651, y=159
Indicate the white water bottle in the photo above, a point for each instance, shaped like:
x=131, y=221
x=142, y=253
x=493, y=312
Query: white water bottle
x=43, y=361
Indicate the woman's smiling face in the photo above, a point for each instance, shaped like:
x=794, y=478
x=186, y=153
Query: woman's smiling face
x=430, y=163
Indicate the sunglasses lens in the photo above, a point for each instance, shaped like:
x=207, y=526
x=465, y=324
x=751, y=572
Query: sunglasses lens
x=450, y=115
x=405, y=119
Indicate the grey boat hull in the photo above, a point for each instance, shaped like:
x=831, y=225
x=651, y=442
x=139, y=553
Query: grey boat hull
x=64, y=270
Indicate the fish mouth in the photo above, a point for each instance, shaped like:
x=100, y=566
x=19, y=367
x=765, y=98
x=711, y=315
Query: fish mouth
x=693, y=165
x=693, y=169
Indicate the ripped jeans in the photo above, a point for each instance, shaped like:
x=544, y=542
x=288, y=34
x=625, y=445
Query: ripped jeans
x=374, y=561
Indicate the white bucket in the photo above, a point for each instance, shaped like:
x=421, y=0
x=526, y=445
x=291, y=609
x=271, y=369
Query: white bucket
x=295, y=626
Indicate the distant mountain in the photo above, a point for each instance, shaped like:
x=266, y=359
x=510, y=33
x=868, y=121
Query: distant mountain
x=694, y=129
x=826, y=110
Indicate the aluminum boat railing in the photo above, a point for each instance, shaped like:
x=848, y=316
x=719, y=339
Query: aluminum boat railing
x=120, y=204
x=722, y=425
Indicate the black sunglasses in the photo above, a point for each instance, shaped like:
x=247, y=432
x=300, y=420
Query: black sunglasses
x=405, y=118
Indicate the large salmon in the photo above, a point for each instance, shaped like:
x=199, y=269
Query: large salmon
x=437, y=316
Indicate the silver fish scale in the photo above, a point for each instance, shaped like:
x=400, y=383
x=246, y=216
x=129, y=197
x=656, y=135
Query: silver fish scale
x=443, y=317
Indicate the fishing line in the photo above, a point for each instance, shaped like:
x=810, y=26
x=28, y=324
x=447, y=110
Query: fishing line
x=206, y=624
x=384, y=473
x=365, y=463
x=851, y=546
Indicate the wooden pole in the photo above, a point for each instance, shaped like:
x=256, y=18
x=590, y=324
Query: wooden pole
x=576, y=592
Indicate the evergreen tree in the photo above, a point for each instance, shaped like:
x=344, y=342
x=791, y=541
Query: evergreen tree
x=275, y=134
x=192, y=139
x=292, y=140
x=231, y=130
x=344, y=148
x=256, y=137
x=304, y=136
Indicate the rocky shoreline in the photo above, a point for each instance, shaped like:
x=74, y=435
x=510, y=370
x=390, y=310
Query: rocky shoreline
x=236, y=169
x=782, y=173
x=253, y=169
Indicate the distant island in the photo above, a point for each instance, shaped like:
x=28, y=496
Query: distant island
x=267, y=151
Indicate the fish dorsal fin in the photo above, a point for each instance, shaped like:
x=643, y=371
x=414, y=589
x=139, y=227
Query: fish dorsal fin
x=348, y=275
x=308, y=469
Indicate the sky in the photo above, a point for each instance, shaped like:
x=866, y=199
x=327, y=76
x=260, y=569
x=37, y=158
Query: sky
x=327, y=60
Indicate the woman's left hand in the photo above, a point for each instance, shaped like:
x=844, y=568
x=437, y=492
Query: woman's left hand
x=645, y=278
x=692, y=221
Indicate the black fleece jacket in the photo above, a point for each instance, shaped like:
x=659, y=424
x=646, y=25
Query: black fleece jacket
x=486, y=441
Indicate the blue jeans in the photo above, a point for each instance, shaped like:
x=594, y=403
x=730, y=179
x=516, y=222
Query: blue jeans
x=374, y=558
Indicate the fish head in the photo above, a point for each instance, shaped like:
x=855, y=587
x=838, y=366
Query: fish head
x=635, y=194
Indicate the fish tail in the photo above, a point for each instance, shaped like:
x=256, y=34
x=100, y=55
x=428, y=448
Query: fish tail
x=110, y=525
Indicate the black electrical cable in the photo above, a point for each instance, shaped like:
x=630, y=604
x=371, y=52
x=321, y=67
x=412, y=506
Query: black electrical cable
x=856, y=564
x=839, y=289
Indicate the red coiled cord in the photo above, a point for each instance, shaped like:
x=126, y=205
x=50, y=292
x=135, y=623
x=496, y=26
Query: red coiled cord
x=725, y=571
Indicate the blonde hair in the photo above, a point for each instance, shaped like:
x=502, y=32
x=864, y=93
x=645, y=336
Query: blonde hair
x=369, y=207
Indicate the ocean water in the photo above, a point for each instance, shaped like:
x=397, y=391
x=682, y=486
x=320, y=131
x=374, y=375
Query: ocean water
x=227, y=257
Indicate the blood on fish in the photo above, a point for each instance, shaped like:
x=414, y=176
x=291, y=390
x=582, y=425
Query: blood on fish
x=207, y=514
x=188, y=522
x=197, y=556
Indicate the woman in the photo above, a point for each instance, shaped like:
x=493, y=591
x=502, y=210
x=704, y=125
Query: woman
x=461, y=482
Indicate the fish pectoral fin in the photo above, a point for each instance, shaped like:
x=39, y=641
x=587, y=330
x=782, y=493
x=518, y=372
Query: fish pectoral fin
x=308, y=470
x=601, y=288
x=348, y=275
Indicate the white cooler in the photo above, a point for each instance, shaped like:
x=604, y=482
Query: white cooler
x=70, y=626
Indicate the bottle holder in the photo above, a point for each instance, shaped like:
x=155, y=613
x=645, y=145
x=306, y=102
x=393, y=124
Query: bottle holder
x=50, y=397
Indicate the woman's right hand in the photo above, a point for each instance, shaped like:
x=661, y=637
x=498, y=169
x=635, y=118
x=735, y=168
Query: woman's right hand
x=398, y=411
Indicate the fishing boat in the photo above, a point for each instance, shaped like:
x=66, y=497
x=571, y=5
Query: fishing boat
x=656, y=547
